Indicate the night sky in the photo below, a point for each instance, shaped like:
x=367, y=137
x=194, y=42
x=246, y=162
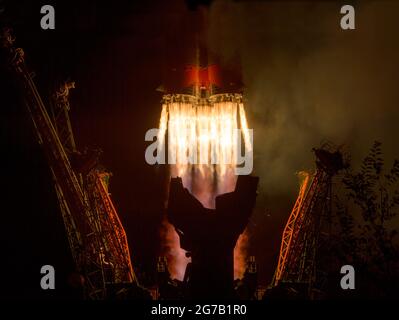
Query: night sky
x=306, y=80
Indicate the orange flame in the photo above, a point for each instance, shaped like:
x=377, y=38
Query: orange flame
x=203, y=146
x=240, y=255
x=177, y=261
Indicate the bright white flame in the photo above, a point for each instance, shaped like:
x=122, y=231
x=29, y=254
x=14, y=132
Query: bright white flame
x=208, y=134
x=244, y=128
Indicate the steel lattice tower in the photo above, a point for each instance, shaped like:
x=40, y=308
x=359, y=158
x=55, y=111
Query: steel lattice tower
x=95, y=233
x=306, y=233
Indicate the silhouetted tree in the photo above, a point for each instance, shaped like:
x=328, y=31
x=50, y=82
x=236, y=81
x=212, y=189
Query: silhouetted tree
x=368, y=230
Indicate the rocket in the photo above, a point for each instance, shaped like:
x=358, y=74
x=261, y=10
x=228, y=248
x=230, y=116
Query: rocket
x=191, y=66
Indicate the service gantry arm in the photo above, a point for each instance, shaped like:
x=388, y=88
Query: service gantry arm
x=96, y=236
x=300, y=242
x=288, y=232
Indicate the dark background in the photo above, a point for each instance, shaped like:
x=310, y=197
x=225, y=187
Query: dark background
x=306, y=80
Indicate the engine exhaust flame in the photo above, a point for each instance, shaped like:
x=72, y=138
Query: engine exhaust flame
x=244, y=125
x=202, y=149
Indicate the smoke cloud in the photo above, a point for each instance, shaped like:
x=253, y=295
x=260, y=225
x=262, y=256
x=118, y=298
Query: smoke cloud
x=307, y=80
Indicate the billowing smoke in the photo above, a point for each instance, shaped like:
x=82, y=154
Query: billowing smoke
x=177, y=260
x=308, y=80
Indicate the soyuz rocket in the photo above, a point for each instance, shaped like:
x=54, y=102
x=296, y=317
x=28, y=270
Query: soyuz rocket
x=191, y=67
